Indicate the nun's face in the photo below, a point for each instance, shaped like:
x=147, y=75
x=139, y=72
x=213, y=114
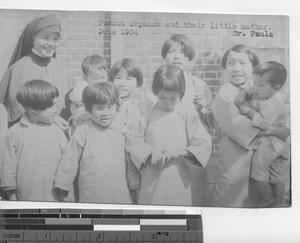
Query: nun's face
x=45, y=45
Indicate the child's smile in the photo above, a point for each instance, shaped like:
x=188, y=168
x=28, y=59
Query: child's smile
x=104, y=114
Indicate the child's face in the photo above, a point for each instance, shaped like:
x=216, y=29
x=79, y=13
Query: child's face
x=176, y=56
x=47, y=115
x=166, y=101
x=125, y=84
x=96, y=76
x=262, y=87
x=45, y=45
x=104, y=114
x=238, y=67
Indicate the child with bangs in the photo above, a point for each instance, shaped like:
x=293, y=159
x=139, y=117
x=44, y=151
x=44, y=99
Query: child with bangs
x=179, y=50
x=171, y=141
x=94, y=70
x=33, y=146
x=96, y=151
x=127, y=76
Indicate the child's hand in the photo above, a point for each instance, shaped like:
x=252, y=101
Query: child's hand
x=171, y=155
x=244, y=110
x=62, y=195
x=247, y=111
x=62, y=123
x=12, y=195
x=240, y=98
x=200, y=102
x=156, y=155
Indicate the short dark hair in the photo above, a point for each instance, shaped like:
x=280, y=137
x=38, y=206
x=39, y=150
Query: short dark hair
x=189, y=50
x=131, y=69
x=278, y=72
x=100, y=93
x=37, y=94
x=94, y=61
x=241, y=48
x=169, y=78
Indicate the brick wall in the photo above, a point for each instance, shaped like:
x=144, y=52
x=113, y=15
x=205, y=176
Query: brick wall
x=122, y=37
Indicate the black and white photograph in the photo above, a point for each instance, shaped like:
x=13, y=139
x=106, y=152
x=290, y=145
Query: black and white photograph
x=171, y=109
x=145, y=108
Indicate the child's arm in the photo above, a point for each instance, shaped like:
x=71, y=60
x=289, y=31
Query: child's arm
x=170, y=155
x=68, y=166
x=269, y=111
x=139, y=150
x=11, y=195
x=240, y=98
x=10, y=163
x=247, y=111
x=61, y=123
x=199, y=141
x=3, y=131
x=283, y=133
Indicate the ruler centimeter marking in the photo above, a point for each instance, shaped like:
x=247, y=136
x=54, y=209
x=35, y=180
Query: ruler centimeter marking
x=93, y=225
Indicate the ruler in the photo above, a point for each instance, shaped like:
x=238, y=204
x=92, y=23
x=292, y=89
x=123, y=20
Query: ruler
x=93, y=225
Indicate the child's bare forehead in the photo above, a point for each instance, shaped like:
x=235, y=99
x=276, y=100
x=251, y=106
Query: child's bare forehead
x=238, y=56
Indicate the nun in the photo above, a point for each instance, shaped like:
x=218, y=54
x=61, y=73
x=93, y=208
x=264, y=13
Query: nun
x=34, y=58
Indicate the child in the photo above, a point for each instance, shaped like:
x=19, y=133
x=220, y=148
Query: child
x=94, y=70
x=267, y=108
x=96, y=151
x=170, y=140
x=179, y=50
x=127, y=76
x=3, y=130
x=33, y=146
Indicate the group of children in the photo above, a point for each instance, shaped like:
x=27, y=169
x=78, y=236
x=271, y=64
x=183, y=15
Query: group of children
x=116, y=155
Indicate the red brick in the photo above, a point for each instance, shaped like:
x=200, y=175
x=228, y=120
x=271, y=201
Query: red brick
x=65, y=59
x=137, y=96
x=77, y=51
x=130, y=45
x=153, y=52
x=132, y=53
x=91, y=30
x=90, y=44
x=73, y=37
x=78, y=58
x=76, y=44
x=210, y=75
x=157, y=60
x=144, y=60
x=64, y=43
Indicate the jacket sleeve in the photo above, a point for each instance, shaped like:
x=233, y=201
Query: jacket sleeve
x=10, y=163
x=199, y=141
x=237, y=127
x=269, y=111
x=71, y=156
x=136, y=145
x=3, y=131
